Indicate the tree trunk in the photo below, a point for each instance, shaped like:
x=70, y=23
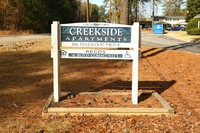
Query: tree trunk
x=153, y=14
x=124, y=12
x=88, y=15
x=135, y=10
x=129, y=12
x=110, y=13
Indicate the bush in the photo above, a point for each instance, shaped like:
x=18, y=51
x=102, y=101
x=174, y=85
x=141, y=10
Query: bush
x=192, y=24
x=195, y=31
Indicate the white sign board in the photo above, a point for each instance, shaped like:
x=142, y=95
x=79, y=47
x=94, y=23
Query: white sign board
x=96, y=35
x=97, y=54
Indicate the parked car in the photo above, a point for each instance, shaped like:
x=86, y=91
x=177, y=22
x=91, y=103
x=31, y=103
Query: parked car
x=178, y=29
x=149, y=28
x=182, y=28
x=168, y=28
x=175, y=29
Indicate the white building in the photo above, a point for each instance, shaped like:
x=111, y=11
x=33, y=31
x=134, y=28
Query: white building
x=198, y=16
x=171, y=20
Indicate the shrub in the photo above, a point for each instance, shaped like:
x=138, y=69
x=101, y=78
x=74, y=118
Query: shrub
x=195, y=31
x=192, y=24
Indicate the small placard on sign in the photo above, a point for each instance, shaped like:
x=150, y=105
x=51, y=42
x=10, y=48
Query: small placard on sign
x=97, y=54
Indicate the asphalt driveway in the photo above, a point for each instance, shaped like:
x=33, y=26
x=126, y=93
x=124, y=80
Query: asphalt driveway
x=21, y=38
x=164, y=42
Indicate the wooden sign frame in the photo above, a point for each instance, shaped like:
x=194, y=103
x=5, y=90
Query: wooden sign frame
x=56, y=52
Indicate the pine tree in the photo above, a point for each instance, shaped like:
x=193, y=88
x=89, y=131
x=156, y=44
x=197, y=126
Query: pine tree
x=173, y=8
x=193, y=9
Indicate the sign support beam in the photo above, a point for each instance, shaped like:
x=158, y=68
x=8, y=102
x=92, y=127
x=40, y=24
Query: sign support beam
x=136, y=38
x=56, y=57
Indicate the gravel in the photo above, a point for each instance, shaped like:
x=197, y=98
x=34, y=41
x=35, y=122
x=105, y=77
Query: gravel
x=88, y=103
x=93, y=100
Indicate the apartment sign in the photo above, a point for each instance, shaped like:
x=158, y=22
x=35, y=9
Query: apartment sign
x=94, y=41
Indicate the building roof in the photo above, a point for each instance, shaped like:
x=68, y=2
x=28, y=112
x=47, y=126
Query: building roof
x=177, y=17
x=184, y=23
x=161, y=22
x=145, y=22
x=197, y=16
x=159, y=16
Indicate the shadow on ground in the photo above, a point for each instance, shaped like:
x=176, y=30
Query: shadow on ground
x=150, y=86
x=183, y=45
x=144, y=86
x=26, y=77
x=191, y=47
x=196, y=40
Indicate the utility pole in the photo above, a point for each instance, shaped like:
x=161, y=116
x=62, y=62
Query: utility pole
x=88, y=16
x=110, y=13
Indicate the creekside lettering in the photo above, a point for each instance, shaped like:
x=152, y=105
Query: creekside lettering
x=96, y=32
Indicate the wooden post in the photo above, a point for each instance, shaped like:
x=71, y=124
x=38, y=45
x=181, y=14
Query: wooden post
x=55, y=27
x=135, y=37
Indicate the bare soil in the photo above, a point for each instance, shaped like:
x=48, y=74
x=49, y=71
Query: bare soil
x=26, y=82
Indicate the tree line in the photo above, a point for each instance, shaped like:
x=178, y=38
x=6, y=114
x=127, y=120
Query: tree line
x=133, y=10
x=37, y=15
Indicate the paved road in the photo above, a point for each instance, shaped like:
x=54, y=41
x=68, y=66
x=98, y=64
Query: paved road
x=21, y=38
x=148, y=39
x=164, y=42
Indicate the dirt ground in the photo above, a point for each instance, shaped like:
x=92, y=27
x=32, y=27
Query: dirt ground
x=26, y=82
x=182, y=35
x=107, y=101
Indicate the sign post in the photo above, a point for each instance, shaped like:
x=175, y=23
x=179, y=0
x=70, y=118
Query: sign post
x=55, y=39
x=136, y=43
x=95, y=35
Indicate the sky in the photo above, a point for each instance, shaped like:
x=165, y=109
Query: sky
x=98, y=2
x=148, y=6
